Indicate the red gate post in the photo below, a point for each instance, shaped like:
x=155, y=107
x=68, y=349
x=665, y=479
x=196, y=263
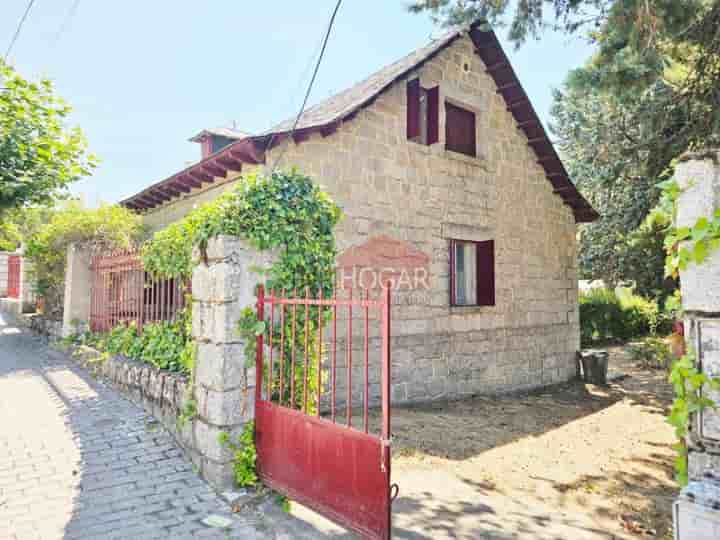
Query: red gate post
x=386, y=373
x=260, y=344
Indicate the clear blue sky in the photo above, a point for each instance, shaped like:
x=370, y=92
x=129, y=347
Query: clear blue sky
x=144, y=76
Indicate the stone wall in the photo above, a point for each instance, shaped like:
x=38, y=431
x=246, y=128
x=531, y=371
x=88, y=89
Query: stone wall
x=426, y=196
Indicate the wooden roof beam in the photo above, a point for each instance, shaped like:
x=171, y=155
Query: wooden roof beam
x=496, y=67
x=188, y=181
x=230, y=163
x=214, y=170
x=503, y=87
x=518, y=103
x=199, y=175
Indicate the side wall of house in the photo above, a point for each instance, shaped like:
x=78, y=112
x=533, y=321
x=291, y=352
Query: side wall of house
x=426, y=196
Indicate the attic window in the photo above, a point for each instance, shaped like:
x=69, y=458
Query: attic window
x=422, y=113
x=460, y=130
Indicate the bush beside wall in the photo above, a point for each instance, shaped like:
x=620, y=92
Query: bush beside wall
x=607, y=316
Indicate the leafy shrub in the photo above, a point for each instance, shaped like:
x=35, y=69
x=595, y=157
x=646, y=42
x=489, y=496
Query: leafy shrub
x=607, y=316
x=106, y=227
x=165, y=345
x=244, y=455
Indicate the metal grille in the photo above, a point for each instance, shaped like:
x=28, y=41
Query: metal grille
x=124, y=293
x=14, y=264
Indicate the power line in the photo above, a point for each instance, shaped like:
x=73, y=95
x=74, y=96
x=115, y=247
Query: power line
x=66, y=22
x=312, y=81
x=17, y=32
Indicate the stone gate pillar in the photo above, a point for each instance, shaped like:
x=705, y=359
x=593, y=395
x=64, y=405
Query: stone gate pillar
x=222, y=286
x=695, y=518
x=78, y=283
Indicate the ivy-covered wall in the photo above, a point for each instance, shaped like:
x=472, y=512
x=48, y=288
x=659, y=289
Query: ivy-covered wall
x=388, y=186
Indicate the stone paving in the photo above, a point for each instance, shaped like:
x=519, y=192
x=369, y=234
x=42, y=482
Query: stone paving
x=77, y=460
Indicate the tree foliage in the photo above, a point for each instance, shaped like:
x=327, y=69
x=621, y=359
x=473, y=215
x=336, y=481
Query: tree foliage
x=39, y=155
x=106, y=227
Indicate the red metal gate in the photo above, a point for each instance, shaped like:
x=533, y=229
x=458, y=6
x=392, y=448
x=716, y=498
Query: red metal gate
x=14, y=263
x=307, y=446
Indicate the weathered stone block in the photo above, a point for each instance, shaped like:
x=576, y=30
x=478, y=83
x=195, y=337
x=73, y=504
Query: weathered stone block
x=220, y=475
x=220, y=367
x=701, y=285
x=207, y=441
x=217, y=323
x=224, y=408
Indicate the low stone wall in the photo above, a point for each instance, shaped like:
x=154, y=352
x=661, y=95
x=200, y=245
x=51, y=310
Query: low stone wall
x=42, y=325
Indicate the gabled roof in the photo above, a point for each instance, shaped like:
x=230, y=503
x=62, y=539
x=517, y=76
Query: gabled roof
x=230, y=133
x=326, y=116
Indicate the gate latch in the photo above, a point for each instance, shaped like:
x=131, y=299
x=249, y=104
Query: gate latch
x=384, y=446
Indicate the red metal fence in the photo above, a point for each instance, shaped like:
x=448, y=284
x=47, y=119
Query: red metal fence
x=14, y=276
x=122, y=292
x=307, y=443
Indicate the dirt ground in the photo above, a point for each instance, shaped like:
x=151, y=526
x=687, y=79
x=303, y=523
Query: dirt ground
x=600, y=453
x=571, y=462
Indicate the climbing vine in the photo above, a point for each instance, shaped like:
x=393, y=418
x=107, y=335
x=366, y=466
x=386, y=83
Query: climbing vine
x=284, y=212
x=686, y=245
x=244, y=455
x=688, y=385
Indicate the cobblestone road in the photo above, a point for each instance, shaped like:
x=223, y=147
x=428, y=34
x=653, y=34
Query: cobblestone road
x=79, y=461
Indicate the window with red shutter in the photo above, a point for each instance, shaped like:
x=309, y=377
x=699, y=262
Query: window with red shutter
x=460, y=130
x=423, y=107
x=472, y=273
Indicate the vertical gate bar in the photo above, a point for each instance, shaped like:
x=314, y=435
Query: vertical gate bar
x=259, y=345
x=386, y=372
x=113, y=292
x=292, y=355
x=334, y=354
x=305, y=356
x=366, y=395
x=319, y=351
x=348, y=344
x=282, y=347
x=161, y=307
x=271, y=368
x=141, y=299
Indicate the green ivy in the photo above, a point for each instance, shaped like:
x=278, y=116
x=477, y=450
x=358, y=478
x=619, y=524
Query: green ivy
x=165, y=345
x=244, y=455
x=285, y=212
x=685, y=245
x=688, y=384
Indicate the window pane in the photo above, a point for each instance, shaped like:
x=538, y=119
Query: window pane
x=465, y=274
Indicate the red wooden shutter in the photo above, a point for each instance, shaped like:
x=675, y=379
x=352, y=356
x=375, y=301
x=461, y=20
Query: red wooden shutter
x=486, y=273
x=433, y=115
x=459, y=130
x=413, y=109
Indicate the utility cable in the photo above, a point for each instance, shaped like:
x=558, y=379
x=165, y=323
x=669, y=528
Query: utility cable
x=17, y=31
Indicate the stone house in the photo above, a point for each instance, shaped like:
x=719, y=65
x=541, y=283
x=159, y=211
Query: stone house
x=441, y=154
